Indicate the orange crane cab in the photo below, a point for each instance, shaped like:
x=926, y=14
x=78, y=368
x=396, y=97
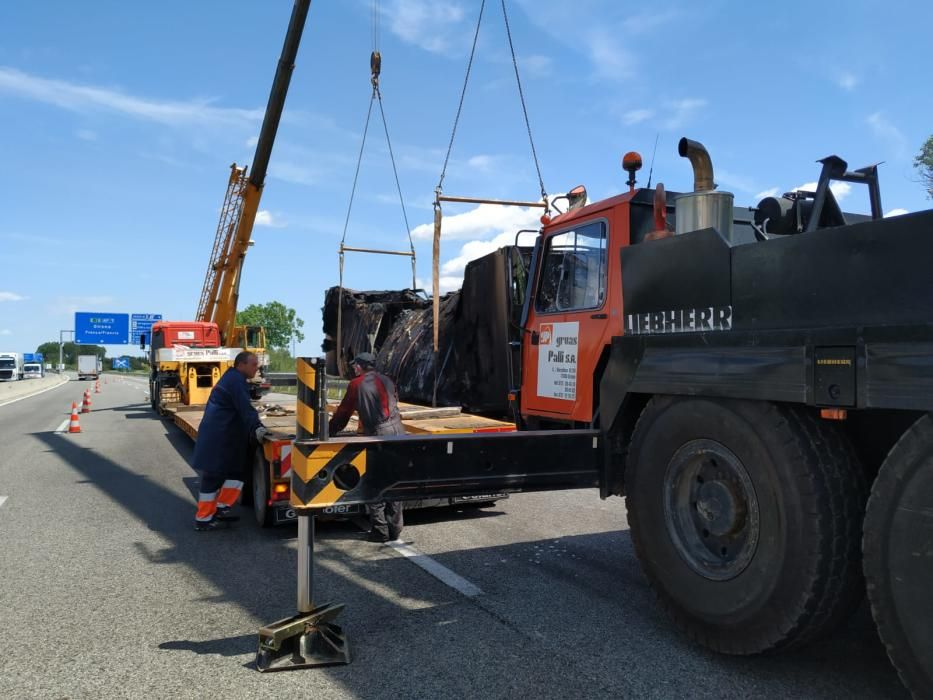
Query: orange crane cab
x=575, y=310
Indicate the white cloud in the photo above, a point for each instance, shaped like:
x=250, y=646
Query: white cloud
x=11, y=296
x=473, y=250
x=637, y=115
x=682, y=111
x=252, y=141
x=896, y=212
x=840, y=189
x=847, y=81
x=264, y=217
x=446, y=284
x=536, y=65
x=433, y=25
x=611, y=60
x=86, y=135
x=770, y=192
x=5, y=331
x=482, y=163
x=646, y=22
x=735, y=181
x=70, y=305
x=481, y=223
x=886, y=131
x=88, y=98
x=294, y=173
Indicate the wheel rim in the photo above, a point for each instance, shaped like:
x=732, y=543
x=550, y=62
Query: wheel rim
x=711, y=509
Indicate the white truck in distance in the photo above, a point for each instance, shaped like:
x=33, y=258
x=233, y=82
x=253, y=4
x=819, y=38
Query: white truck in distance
x=33, y=370
x=11, y=366
x=89, y=366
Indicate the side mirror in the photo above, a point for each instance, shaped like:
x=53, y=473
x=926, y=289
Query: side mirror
x=142, y=341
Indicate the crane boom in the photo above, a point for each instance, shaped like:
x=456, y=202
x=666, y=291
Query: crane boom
x=220, y=294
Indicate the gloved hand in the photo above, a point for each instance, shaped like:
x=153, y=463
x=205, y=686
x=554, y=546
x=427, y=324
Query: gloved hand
x=261, y=431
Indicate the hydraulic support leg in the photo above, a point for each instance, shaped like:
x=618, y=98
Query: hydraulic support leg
x=310, y=638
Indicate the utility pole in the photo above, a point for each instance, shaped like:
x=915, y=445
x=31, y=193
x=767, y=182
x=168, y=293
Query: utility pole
x=61, y=348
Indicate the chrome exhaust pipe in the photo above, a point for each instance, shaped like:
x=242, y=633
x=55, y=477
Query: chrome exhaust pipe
x=700, y=160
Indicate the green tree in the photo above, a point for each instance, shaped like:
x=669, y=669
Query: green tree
x=281, y=360
x=70, y=352
x=281, y=323
x=923, y=162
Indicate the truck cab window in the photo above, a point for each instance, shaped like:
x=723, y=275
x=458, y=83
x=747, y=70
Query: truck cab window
x=573, y=274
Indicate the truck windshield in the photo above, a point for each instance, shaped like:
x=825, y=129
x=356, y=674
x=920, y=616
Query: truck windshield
x=32, y=368
x=7, y=362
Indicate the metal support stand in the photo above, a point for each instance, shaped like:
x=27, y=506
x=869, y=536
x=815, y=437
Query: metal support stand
x=310, y=638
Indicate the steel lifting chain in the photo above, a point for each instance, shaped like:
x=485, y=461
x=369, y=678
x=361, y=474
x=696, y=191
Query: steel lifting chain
x=375, y=67
x=521, y=95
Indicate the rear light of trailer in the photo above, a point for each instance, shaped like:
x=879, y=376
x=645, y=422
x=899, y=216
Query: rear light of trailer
x=280, y=492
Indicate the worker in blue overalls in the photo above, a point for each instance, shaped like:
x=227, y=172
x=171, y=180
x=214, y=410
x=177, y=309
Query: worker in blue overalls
x=229, y=430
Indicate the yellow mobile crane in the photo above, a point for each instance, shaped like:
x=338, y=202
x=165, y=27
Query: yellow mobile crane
x=221, y=291
x=189, y=357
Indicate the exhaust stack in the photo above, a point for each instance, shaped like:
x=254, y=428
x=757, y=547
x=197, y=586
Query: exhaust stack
x=700, y=160
x=705, y=207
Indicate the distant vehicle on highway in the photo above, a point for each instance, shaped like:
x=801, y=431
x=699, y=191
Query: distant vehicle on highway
x=89, y=366
x=33, y=370
x=11, y=366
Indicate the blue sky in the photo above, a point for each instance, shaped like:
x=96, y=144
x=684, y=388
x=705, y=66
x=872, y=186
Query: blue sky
x=120, y=121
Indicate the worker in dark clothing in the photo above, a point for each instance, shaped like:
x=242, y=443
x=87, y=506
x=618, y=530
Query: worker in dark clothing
x=227, y=432
x=375, y=399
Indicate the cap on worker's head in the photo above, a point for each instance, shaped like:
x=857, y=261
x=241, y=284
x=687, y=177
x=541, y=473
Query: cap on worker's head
x=365, y=359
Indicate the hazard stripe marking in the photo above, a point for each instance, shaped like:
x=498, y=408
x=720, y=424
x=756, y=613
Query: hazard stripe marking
x=310, y=490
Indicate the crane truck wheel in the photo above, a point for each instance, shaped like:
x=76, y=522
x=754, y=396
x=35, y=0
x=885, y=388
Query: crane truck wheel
x=259, y=490
x=746, y=516
x=898, y=551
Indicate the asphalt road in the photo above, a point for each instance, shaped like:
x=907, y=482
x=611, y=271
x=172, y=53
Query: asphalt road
x=106, y=590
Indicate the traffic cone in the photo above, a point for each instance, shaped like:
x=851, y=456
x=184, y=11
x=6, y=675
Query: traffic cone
x=97, y=387
x=86, y=404
x=74, y=426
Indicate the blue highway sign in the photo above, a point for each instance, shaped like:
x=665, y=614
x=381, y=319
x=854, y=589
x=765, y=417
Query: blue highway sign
x=142, y=323
x=121, y=363
x=102, y=328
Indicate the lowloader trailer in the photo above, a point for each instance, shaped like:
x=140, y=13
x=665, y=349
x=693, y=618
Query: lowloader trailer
x=749, y=395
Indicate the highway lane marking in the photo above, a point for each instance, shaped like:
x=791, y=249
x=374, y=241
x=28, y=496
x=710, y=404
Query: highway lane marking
x=29, y=396
x=64, y=426
x=2, y=500
x=436, y=569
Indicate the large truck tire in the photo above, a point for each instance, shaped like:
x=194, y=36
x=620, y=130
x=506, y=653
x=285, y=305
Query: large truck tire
x=746, y=516
x=259, y=490
x=898, y=553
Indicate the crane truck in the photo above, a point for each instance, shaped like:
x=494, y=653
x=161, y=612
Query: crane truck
x=757, y=382
x=189, y=357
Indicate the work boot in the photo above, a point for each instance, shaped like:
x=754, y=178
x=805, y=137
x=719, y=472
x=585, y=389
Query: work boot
x=396, y=536
x=376, y=536
x=205, y=526
x=224, y=513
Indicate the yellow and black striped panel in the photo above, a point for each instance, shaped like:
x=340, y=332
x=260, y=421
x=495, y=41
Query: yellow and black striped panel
x=306, y=428
x=323, y=473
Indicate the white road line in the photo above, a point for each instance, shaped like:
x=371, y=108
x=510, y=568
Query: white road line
x=29, y=396
x=2, y=500
x=436, y=569
x=64, y=426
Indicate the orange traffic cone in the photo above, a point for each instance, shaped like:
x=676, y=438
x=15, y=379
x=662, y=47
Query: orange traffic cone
x=97, y=387
x=74, y=426
x=86, y=404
